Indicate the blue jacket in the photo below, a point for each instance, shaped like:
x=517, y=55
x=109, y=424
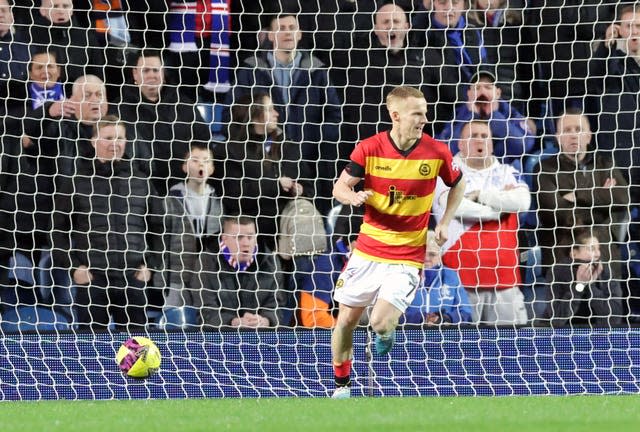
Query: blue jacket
x=440, y=292
x=511, y=136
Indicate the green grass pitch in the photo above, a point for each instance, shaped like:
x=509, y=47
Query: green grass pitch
x=468, y=414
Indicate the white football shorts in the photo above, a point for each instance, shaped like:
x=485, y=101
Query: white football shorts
x=363, y=281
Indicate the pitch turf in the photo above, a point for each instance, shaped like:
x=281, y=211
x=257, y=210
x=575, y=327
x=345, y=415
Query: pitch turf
x=493, y=414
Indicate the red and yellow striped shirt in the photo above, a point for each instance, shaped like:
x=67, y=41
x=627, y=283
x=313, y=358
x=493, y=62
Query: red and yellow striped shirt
x=397, y=215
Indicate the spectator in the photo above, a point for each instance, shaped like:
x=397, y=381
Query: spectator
x=579, y=188
x=239, y=283
x=194, y=212
x=161, y=122
x=563, y=33
x=43, y=86
x=55, y=26
x=378, y=64
x=614, y=75
x=195, y=197
x=500, y=22
x=14, y=56
x=33, y=164
x=452, y=51
x=259, y=172
x=44, y=79
x=307, y=104
x=64, y=123
x=584, y=293
x=108, y=233
x=513, y=135
x=441, y=298
x=483, y=237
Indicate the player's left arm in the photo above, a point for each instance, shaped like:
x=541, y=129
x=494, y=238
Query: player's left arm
x=454, y=198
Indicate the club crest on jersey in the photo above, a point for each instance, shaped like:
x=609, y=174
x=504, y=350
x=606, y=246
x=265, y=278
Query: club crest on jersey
x=425, y=169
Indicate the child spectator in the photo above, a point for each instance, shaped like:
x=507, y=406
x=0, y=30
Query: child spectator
x=441, y=298
x=582, y=287
x=197, y=199
x=194, y=217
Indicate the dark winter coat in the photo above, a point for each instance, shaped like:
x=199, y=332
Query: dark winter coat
x=227, y=293
x=614, y=105
x=441, y=59
x=161, y=132
x=600, y=303
x=77, y=49
x=107, y=217
x=595, y=205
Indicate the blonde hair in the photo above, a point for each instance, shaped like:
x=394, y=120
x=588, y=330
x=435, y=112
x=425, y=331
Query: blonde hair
x=403, y=92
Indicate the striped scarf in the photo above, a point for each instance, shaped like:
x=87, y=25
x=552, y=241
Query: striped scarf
x=109, y=19
x=192, y=20
x=232, y=259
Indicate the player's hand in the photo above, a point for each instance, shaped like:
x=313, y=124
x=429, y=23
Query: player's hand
x=442, y=233
x=361, y=197
x=571, y=197
x=82, y=275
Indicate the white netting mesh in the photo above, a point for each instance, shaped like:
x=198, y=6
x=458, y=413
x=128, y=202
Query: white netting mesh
x=135, y=135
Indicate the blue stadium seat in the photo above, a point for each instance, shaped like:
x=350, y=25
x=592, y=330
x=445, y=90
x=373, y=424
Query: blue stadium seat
x=32, y=318
x=530, y=165
x=179, y=318
x=212, y=114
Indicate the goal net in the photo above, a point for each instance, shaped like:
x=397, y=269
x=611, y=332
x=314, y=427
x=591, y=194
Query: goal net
x=167, y=171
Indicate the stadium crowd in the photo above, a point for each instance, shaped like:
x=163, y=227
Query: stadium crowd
x=150, y=151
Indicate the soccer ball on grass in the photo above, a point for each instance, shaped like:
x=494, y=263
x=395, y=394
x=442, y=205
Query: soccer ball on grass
x=138, y=357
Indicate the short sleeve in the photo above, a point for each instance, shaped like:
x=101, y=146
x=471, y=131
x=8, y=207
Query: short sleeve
x=358, y=155
x=449, y=171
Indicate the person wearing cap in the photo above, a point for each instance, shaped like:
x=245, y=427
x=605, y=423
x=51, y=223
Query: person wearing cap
x=452, y=49
x=513, y=135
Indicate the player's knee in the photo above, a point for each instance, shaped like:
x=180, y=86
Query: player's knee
x=382, y=325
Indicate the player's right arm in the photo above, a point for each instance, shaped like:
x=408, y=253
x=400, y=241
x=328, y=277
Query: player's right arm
x=344, y=193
